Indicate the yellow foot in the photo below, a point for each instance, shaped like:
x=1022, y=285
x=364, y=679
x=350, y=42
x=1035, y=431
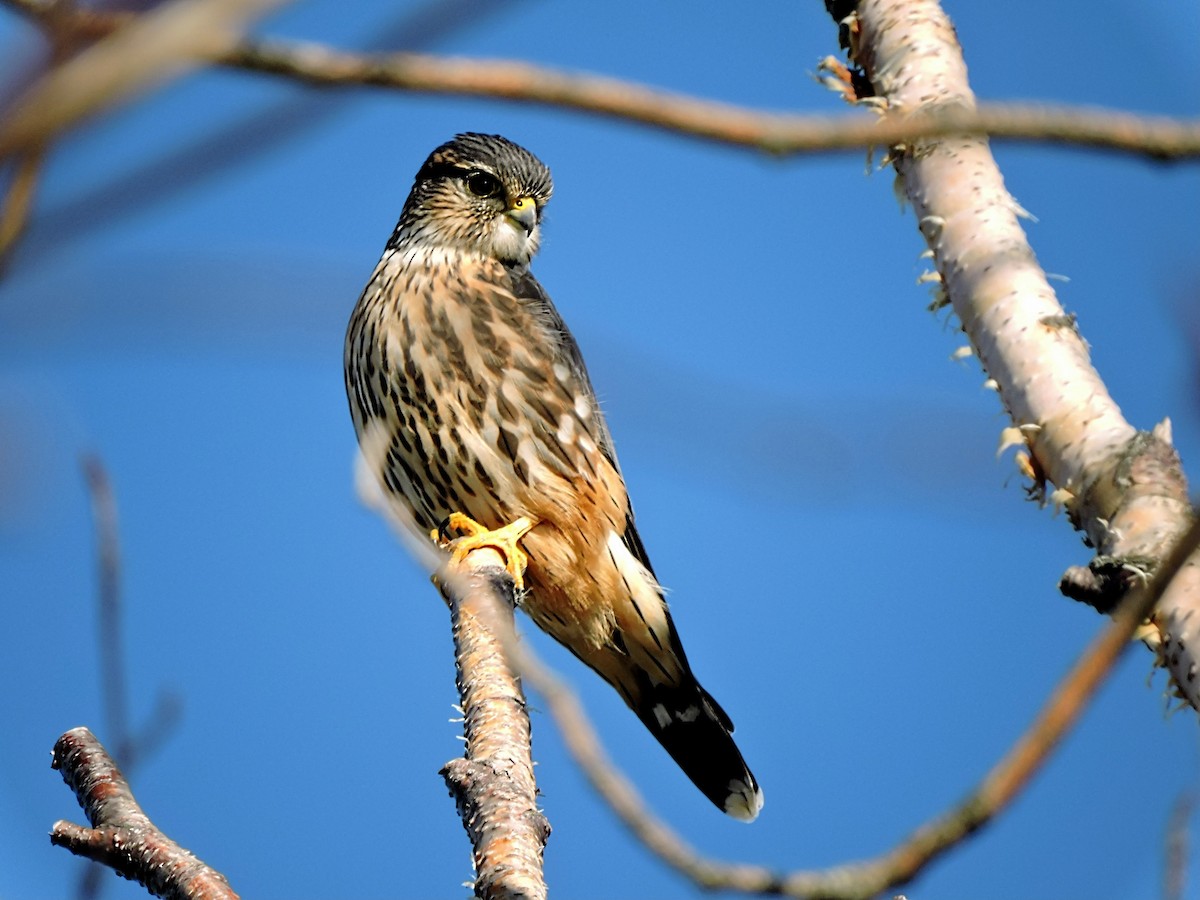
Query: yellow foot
x=474, y=536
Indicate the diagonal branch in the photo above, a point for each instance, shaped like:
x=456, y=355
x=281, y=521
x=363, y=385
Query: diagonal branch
x=122, y=836
x=18, y=199
x=148, y=48
x=771, y=132
x=866, y=879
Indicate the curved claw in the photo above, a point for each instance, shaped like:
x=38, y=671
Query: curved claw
x=474, y=536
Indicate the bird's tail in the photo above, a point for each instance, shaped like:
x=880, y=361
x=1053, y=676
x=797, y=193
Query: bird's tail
x=697, y=733
x=644, y=660
x=642, y=657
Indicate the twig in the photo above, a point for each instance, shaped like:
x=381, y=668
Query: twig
x=122, y=836
x=866, y=879
x=130, y=748
x=1177, y=845
x=18, y=200
x=776, y=133
x=493, y=784
x=149, y=48
x=109, y=634
x=108, y=579
x=27, y=165
x=241, y=140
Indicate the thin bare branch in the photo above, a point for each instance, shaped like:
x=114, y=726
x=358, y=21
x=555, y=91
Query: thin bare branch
x=776, y=133
x=18, y=200
x=130, y=748
x=155, y=179
x=866, y=879
x=122, y=836
x=108, y=579
x=772, y=132
x=1178, y=844
x=42, y=10
x=493, y=783
x=147, y=49
x=27, y=163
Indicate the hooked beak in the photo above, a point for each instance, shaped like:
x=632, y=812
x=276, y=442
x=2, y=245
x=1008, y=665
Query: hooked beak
x=523, y=213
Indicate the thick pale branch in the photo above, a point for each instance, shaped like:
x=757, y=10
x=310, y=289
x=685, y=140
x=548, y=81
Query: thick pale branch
x=771, y=132
x=122, y=836
x=111, y=645
x=1124, y=488
x=493, y=784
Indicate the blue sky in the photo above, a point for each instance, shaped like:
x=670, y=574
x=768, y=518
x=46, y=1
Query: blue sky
x=856, y=577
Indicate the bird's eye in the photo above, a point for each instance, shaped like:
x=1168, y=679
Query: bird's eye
x=483, y=184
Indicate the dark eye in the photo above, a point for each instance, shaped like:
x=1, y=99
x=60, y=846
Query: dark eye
x=483, y=184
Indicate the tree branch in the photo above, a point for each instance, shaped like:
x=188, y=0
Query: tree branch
x=147, y=49
x=866, y=879
x=108, y=578
x=122, y=836
x=130, y=747
x=1124, y=488
x=493, y=783
x=18, y=200
x=1178, y=847
x=771, y=132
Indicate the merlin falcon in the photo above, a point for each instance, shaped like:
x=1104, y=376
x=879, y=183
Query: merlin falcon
x=476, y=415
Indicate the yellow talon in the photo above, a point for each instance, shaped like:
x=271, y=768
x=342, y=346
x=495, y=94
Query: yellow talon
x=474, y=536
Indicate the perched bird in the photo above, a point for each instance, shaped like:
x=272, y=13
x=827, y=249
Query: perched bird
x=475, y=412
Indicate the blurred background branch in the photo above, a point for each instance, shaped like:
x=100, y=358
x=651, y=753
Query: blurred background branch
x=238, y=143
x=146, y=50
x=130, y=748
x=776, y=133
x=1178, y=846
x=900, y=865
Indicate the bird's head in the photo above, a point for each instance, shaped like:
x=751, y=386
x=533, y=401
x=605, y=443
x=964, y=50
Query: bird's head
x=479, y=193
